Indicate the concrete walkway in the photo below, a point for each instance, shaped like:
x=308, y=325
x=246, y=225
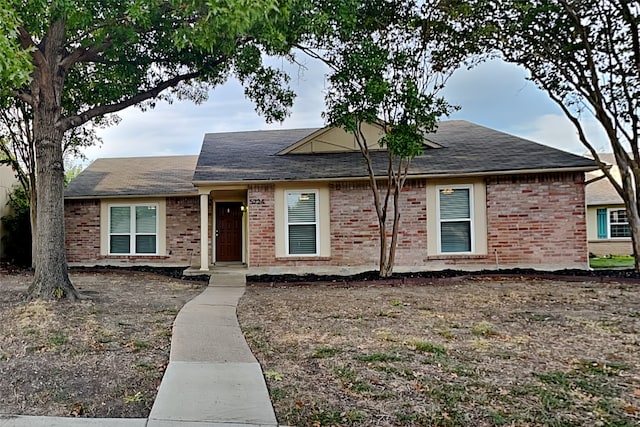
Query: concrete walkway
x=213, y=379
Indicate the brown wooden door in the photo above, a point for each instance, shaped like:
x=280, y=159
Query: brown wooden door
x=228, y=232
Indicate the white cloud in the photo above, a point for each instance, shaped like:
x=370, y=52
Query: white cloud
x=557, y=131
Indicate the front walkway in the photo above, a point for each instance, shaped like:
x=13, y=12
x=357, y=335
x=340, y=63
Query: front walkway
x=212, y=379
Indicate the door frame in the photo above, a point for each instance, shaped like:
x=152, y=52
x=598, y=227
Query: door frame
x=243, y=237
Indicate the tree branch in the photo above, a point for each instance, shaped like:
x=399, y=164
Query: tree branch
x=77, y=120
x=84, y=54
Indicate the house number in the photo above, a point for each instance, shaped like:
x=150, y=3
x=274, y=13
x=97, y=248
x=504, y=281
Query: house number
x=256, y=201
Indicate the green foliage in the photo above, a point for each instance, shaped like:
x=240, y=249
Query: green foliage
x=15, y=62
x=141, y=45
x=586, y=55
x=17, y=240
x=612, y=261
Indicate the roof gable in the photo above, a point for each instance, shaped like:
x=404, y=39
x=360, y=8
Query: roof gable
x=337, y=140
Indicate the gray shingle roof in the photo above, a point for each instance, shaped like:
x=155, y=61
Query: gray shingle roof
x=135, y=176
x=601, y=192
x=467, y=149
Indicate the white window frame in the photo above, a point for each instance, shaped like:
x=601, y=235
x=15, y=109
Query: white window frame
x=132, y=229
x=439, y=221
x=316, y=223
x=609, y=210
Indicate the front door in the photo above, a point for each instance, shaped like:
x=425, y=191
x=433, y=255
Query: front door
x=228, y=232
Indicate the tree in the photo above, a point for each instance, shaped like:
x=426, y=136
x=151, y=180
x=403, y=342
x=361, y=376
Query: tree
x=586, y=55
x=17, y=150
x=73, y=62
x=381, y=74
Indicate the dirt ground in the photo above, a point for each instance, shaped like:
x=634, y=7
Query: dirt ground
x=102, y=357
x=455, y=352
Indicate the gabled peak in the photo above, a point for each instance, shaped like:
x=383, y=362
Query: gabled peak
x=337, y=140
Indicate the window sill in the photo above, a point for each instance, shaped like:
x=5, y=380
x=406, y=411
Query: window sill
x=456, y=256
x=139, y=256
x=304, y=258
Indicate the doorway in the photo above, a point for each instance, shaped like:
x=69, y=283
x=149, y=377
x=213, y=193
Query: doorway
x=228, y=232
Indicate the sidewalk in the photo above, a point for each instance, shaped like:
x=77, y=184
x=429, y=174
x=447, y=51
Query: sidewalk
x=212, y=379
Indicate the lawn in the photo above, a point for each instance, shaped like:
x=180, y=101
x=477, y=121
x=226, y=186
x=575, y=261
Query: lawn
x=612, y=261
x=460, y=352
x=101, y=357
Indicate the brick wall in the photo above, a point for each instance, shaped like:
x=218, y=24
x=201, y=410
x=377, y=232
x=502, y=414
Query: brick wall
x=532, y=221
x=354, y=225
x=353, y=229
x=261, y=223
x=82, y=228
x=537, y=219
x=183, y=230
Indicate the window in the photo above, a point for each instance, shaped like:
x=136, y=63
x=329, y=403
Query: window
x=133, y=230
x=302, y=222
x=455, y=225
x=618, y=224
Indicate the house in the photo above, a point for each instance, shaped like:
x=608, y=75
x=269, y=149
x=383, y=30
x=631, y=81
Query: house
x=608, y=230
x=298, y=201
x=7, y=181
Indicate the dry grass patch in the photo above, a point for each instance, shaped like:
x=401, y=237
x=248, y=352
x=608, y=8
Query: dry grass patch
x=456, y=353
x=101, y=357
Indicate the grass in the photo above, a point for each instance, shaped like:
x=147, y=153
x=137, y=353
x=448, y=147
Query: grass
x=529, y=353
x=612, y=261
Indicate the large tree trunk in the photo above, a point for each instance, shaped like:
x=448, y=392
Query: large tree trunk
x=33, y=218
x=51, y=280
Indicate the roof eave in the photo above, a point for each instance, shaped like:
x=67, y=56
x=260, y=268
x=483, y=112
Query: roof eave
x=130, y=196
x=412, y=176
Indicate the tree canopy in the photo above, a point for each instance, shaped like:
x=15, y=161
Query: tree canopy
x=586, y=55
x=381, y=73
x=75, y=62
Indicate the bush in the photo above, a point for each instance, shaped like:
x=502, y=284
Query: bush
x=17, y=240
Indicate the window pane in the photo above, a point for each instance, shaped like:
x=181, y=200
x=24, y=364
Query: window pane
x=301, y=207
x=145, y=219
x=455, y=236
x=454, y=203
x=302, y=239
x=119, y=245
x=145, y=244
x=120, y=219
x=618, y=217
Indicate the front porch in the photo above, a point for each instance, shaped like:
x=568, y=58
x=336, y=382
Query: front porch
x=223, y=230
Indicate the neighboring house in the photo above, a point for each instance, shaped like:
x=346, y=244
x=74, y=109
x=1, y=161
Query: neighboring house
x=298, y=201
x=7, y=182
x=608, y=230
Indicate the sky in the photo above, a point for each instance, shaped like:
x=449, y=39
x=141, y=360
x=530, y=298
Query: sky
x=494, y=94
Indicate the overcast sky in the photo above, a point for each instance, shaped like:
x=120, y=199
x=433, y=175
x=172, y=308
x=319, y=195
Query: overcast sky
x=494, y=94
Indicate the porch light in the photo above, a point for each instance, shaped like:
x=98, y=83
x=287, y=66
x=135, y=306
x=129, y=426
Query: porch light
x=244, y=208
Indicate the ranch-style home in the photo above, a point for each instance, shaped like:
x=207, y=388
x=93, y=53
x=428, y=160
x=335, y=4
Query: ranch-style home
x=298, y=201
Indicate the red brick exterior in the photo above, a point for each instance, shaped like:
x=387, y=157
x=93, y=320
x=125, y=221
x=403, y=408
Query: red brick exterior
x=262, y=228
x=82, y=228
x=537, y=219
x=532, y=220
